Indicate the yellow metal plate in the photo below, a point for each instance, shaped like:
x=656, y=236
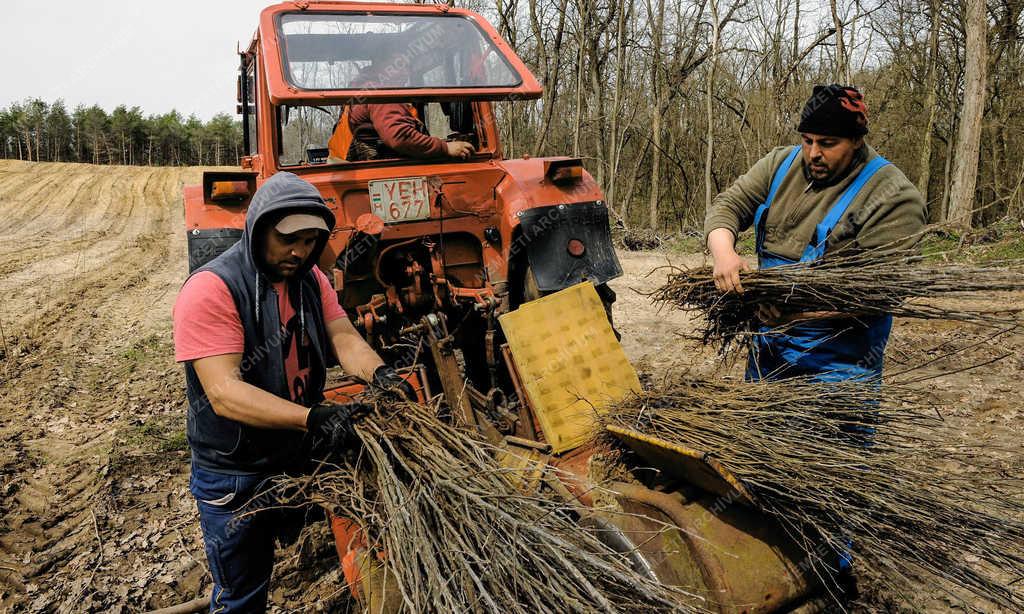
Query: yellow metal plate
x=571, y=365
x=684, y=463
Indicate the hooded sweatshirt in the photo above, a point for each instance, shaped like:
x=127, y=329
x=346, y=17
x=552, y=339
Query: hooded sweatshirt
x=228, y=446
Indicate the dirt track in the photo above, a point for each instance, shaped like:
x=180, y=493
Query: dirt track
x=93, y=470
x=91, y=258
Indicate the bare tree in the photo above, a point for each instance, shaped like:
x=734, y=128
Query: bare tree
x=842, y=71
x=930, y=107
x=550, y=67
x=658, y=92
x=965, y=164
x=615, y=142
x=709, y=91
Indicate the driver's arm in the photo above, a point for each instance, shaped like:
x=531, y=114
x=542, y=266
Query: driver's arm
x=400, y=131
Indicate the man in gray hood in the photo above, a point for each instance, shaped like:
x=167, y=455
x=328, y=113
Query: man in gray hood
x=256, y=329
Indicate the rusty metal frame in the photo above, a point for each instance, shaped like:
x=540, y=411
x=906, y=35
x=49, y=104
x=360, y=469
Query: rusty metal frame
x=711, y=570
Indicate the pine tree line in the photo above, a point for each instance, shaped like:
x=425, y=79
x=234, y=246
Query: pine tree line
x=47, y=132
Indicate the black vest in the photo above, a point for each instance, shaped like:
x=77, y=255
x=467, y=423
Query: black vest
x=225, y=445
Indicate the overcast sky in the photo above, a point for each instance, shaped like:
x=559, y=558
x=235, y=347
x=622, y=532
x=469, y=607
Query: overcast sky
x=155, y=55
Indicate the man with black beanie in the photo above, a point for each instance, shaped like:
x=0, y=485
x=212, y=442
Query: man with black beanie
x=831, y=193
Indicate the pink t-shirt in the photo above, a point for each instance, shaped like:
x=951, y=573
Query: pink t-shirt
x=206, y=323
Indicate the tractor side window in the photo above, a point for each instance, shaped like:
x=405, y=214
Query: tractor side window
x=306, y=133
x=251, y=121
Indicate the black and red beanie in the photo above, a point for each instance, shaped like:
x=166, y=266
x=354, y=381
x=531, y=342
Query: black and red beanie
x=835, y=110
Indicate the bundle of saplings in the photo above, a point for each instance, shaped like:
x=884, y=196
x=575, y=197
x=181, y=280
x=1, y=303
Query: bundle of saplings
x=901, y=284
x=456, y=531
x=858, y=471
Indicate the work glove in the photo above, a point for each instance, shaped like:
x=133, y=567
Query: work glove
x=333, y=424
x=389, y=385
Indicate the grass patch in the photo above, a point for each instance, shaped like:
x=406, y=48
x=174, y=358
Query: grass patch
x=684, y=244
x=694, y=244
x=142, y=351
x=934, y=246
x=156, y=434
x=1000, y=241
x=746, y=244
x=1007, y=249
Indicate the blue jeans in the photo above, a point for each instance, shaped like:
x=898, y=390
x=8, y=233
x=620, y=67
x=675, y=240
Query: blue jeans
x=240, y=549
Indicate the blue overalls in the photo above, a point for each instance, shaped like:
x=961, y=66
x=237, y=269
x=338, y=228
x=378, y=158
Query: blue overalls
x=826, y=350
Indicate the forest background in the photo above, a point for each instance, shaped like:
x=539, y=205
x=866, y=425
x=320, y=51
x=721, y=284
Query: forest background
x=668, y=101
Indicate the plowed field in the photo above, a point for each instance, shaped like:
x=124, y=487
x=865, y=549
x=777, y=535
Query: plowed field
x=95, y=513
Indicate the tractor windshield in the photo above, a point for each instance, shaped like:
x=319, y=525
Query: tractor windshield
x=368, y=52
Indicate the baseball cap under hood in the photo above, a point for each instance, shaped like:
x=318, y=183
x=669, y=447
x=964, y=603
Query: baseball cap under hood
x=281, y=195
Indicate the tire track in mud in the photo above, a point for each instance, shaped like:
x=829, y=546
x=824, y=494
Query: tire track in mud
x=21, y=183
x=91, y=268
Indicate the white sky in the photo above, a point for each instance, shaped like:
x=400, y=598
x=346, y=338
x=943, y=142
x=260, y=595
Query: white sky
x=157, y=55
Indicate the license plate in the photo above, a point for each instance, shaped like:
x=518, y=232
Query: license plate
x=400, y=200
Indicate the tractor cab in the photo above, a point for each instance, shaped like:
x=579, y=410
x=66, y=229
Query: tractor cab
x=435, y=62
x=426, y=245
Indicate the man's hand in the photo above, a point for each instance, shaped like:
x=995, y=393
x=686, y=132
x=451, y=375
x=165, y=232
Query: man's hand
x=334, y=423
x=728, y=263
x=770, y=315
x=388, y=384
x=459, y=149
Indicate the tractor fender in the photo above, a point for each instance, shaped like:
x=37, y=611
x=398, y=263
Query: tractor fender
x=215, y=213
x=543, y=215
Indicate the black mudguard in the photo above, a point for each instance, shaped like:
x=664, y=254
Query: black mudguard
x=206, y=244
x=546, y=232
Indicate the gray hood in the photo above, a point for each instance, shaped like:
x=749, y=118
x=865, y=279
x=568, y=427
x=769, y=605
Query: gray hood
x=283, y=192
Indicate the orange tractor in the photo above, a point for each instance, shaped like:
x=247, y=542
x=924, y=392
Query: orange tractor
x=442, y=264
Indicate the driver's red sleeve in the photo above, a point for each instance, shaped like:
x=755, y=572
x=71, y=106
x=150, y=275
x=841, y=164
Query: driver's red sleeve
x=400, y=131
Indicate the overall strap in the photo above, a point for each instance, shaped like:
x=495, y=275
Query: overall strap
x=762, y=210
x=824, y=229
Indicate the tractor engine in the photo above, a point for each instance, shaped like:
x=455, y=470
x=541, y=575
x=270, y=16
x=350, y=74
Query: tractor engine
x=395, y=283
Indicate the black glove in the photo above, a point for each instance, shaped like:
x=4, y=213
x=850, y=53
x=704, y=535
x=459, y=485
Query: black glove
x=333, y=423
x=387, y=383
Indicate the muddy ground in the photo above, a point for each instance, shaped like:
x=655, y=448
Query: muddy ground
x=94, y=503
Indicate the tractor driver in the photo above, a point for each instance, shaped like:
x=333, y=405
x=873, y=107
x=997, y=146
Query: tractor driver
x=388, y=130
x=832, y=193
x=393, y=130
x=256, y=328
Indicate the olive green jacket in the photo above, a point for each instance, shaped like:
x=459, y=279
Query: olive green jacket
x=888, y=213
